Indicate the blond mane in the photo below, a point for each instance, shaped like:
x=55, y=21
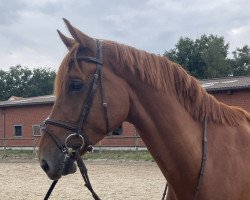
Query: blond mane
x=170, y=77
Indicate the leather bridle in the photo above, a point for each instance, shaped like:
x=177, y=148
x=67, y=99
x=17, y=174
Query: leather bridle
x=72, y=154
x=76, y=129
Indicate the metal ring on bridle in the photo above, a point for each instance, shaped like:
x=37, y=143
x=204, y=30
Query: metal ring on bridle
x=72, y=135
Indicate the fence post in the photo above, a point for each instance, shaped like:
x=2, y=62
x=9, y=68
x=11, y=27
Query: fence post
x=4, y=145
x=100, y=146
x=136, y=140
x=34, y=146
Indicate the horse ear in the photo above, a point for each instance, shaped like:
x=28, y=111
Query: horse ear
x=66, y=40
x=80, y=37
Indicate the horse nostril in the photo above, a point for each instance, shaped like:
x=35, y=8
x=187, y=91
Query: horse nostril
x=44, y=166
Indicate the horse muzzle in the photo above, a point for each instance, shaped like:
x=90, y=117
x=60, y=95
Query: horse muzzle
x=61, y=168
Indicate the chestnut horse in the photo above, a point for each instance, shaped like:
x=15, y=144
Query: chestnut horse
x=168, y=108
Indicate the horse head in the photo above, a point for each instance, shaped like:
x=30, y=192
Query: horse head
x=91, y=100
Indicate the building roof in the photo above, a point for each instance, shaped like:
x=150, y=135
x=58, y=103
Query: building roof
x=229, y=83
x=48, y=99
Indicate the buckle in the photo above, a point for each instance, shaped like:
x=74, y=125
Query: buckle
x=105, y=104
x=90, y=148
x=64, y=149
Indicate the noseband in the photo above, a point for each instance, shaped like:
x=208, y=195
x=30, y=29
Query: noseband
x=76, y=129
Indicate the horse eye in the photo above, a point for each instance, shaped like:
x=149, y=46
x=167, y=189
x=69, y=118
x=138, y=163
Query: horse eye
x=75, y=85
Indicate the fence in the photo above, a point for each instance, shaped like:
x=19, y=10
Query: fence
x=109, y=143
x=121, y=142
x=20, y=143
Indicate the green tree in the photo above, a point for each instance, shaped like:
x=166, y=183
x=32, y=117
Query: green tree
x=187, y=54
x=2, y=83
x=205, y=57
x=41, y=82
x=23, y=82
x=16, y=81
x=215, y=58
x=241, y=61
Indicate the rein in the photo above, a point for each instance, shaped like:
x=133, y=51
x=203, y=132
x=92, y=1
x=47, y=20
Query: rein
x=71, y=154
x=203, y=162
x=204, y=157
x=84, y=172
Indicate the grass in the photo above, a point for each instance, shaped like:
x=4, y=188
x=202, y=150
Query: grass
x=96, y=155
x=120, y=155
x=17, y=154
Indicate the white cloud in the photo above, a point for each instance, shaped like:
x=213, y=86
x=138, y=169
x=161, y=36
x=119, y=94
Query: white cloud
x=28, y=28
x=238, y=31
x=239, y=37
x=29, y=58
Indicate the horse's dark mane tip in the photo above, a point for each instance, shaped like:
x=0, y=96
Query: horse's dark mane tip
x=170, y=77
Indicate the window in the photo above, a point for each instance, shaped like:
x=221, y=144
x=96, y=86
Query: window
x=18, y=131
x=36, y=130
x=117, y=131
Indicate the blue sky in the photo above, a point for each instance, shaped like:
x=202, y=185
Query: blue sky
x=28, y=28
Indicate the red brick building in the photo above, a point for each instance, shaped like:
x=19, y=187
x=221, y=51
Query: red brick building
x=20, y=120
x=232, y=90
x=20, y=117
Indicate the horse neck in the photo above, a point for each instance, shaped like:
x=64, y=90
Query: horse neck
x=171, y=135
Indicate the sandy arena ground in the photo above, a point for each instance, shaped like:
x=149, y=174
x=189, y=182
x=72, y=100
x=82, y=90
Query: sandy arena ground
x=112, y=180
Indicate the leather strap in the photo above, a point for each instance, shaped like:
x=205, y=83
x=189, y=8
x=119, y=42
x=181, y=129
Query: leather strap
x=89, y=59
x=61, y=124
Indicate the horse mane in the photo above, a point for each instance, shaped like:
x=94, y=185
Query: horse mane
x=170, y=77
